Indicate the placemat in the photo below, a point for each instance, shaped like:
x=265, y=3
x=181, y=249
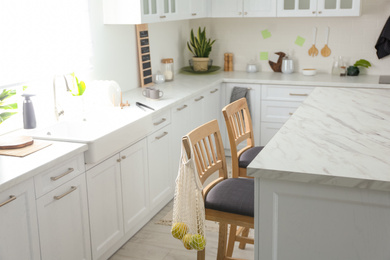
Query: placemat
x=21, y=152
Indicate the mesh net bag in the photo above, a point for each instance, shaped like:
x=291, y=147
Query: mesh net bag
x=188, y=206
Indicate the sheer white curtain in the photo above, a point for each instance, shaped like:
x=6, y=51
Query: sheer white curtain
x=40, y=38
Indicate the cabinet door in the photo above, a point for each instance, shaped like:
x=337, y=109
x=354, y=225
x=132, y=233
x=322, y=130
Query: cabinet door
x=181, y=125
x=63, y=222
x=198, y=8
x=169, y=10
x=135, y=193
x=339, y=7
x=19, y=228
x=296, y=8
x=226, y=8
x=197, y=111
x=259, y=8
x=149, y=11
x=105, y=205
x=160, y=175
x=268, y=130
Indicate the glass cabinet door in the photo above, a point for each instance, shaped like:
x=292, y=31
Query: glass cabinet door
x=339, y=7
x=297, y=8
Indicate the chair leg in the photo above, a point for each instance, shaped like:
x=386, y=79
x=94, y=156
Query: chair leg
x=232, y=239
x=201, y=255
x=245, y=233
x=222, y=241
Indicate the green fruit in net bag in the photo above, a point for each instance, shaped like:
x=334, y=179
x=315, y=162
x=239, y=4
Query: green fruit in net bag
x=186, y=241
x=179, y=230
x=198, y=242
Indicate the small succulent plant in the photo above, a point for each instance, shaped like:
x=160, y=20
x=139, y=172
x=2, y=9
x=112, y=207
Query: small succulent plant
x=354, y=70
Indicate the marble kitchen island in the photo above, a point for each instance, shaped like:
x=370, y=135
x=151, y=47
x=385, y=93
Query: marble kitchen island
x=322, y=184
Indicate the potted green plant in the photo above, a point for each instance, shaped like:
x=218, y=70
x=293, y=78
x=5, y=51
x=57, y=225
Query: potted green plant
x=354, y=70
x=200, y=47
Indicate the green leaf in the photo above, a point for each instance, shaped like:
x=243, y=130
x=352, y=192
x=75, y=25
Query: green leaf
x=7, y=93
x=24, y=88
x=9, y=106
x=4, y=116
x=81, y=87
x=362, y=63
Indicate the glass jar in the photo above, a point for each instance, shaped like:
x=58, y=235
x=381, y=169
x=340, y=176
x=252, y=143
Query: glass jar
x=167, y=69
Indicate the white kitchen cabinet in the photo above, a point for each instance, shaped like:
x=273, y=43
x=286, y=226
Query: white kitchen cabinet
x=243, y=8
x=198, y=8
x=105, y=205
x=19, y=227
x=63, y=222
x=135, y=190
x=140, y=11
x=278, y=104
x=321, y=8
x=160, y=175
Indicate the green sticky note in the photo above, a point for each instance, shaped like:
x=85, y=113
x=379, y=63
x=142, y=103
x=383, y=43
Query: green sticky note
x=264, y=55
x=266, y=34
x=300, y=41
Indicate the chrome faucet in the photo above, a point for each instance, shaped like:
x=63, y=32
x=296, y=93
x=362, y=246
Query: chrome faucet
x=58, y=111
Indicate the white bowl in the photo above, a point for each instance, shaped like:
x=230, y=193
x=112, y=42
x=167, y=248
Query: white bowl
x=309, y=72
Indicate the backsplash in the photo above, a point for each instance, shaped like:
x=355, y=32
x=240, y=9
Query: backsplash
x=353, y=38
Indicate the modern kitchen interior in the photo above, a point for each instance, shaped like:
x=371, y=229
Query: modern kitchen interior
x=96, y=97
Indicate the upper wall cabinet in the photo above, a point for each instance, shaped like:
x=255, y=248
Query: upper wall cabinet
x=243, y=8
x=323, y=8
x=141, y=11
x=198, y=8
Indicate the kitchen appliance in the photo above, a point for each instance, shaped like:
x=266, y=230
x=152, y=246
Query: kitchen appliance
x=287, y=65
x=384, y=79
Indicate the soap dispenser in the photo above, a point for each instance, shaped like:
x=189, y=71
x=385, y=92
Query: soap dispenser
x=28, y=112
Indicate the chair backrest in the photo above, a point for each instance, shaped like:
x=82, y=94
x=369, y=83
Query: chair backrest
x=239, y=127
x=208, y=152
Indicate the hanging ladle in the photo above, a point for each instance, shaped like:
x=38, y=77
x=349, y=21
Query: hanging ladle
x=313, y=51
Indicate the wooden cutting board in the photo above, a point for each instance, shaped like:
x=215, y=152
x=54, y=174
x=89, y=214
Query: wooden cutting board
x=15, y=142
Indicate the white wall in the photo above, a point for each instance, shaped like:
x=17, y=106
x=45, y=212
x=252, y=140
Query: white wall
x=351, y=37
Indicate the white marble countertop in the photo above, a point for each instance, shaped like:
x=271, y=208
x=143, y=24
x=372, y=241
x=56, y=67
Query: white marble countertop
x=14, y=170
x=338, y=136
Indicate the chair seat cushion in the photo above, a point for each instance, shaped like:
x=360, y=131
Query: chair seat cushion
x=247, y=157
x=234, y=195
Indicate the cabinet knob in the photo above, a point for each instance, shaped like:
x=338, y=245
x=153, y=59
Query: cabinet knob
x=124, y=157
x=320, y=12
x=245, y=13
x=118, y=160
x=314, y=12
x=193, y=14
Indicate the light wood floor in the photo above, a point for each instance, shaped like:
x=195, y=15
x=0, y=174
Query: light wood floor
x=155, y=242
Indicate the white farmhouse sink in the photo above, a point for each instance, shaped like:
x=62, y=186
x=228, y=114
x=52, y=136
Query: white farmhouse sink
x=104, y=135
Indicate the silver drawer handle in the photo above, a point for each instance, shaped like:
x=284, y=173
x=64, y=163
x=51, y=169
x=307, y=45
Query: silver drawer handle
x=199, y=98
x=11, y=198
x=296, y=94
x=160, y=122
x=161, y=136
x=62, y=175
x=72, y=189
x=181, y=108
x=213, y=91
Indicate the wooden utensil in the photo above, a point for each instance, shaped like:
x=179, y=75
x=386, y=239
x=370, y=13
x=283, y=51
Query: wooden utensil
x=313, y=51
x=326, y=51
x=277, y=67
x=15, y=142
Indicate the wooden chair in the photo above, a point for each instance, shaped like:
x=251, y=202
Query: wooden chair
x=224, y=196
x=239, y=127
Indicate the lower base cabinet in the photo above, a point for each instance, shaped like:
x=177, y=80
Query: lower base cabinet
x=105, y=205
x=159, y=162
x=63, y=222
x=18, y=226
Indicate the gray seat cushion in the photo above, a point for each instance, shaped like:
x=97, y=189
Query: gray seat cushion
x=234, y=195
x=247, y=157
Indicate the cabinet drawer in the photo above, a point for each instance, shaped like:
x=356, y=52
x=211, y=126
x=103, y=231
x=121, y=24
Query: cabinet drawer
x=56, y=176
x=278, y=112
x=285, y=93
x=160, y=120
